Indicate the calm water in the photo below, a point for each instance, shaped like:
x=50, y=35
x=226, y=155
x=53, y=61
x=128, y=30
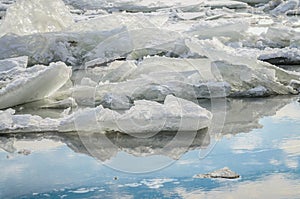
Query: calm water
x=260, y=141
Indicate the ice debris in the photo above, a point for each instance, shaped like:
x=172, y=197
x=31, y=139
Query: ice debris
x=31, y=84
x=144, y=117
x=281, y=56
x=221, y=173
x=10, y=63
x=243, y=72
x=27, y=17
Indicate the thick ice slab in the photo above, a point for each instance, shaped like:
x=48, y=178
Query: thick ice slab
x=144, y=117
x=234, y=29
x=285, y=6
x=25, y=123
x=243, y=72
x=281, y=56
x=27, y=17
x=45, y=48
x=32, y=84
x=225, y=3
x=10, y=63
x=135, y=44
x=134, y=6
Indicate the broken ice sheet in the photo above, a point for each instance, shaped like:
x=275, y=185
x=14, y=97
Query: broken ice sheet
x=234, y=29
x=144, y=117
x=10, y=63
x=137, y=43
x=135, y=6
x=35, y=83
x=280, y=56
x=232, y=66
x=115, y=20
x=45, y=48
x=25, y=17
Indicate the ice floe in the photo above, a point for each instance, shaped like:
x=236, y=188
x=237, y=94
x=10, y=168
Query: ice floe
x=221, y=173
x=244, y=72
x=144, y=117
x=26, y=17
x=35, y=83
x=135, y=55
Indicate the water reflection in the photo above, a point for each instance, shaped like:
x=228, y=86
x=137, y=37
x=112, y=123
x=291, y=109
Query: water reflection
x=273, y=186
x=242, y=116
x=264, y=150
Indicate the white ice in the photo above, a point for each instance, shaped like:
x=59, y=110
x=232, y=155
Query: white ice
x=27, y=17
x=10, y=63
x=144, y=117
x=33, y=84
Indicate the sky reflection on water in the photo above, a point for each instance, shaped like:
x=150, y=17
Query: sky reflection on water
x=262, y=144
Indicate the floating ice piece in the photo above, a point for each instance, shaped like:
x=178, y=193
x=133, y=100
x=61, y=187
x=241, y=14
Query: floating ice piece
x=258, y=91
x=293, y=12
x=27, y=17
x=173, y=65
x=234, y=29
x=8, y=64
x=97, y=46
x=62, y=104
x=144, y=117
x=221, y=173
x=136, y=44
x=225, y=3
x=255, y=1
x=34, y=84
x=190, y=15
x=134, y=6
x=25, y=123
x=285, y=6
x=279, y=36
x=45, y=48
x=243, y=72
x=116, y=102
x=281, y=56
x=175, y=114
x=295, y=84
x=271, y=5
x=119, y=71
x=117, y=20
x=154, y=88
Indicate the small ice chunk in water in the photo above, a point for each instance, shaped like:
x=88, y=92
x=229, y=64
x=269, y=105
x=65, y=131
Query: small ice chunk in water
x=221, y=173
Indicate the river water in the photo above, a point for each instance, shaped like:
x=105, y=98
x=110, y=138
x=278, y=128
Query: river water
x=260, y=141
